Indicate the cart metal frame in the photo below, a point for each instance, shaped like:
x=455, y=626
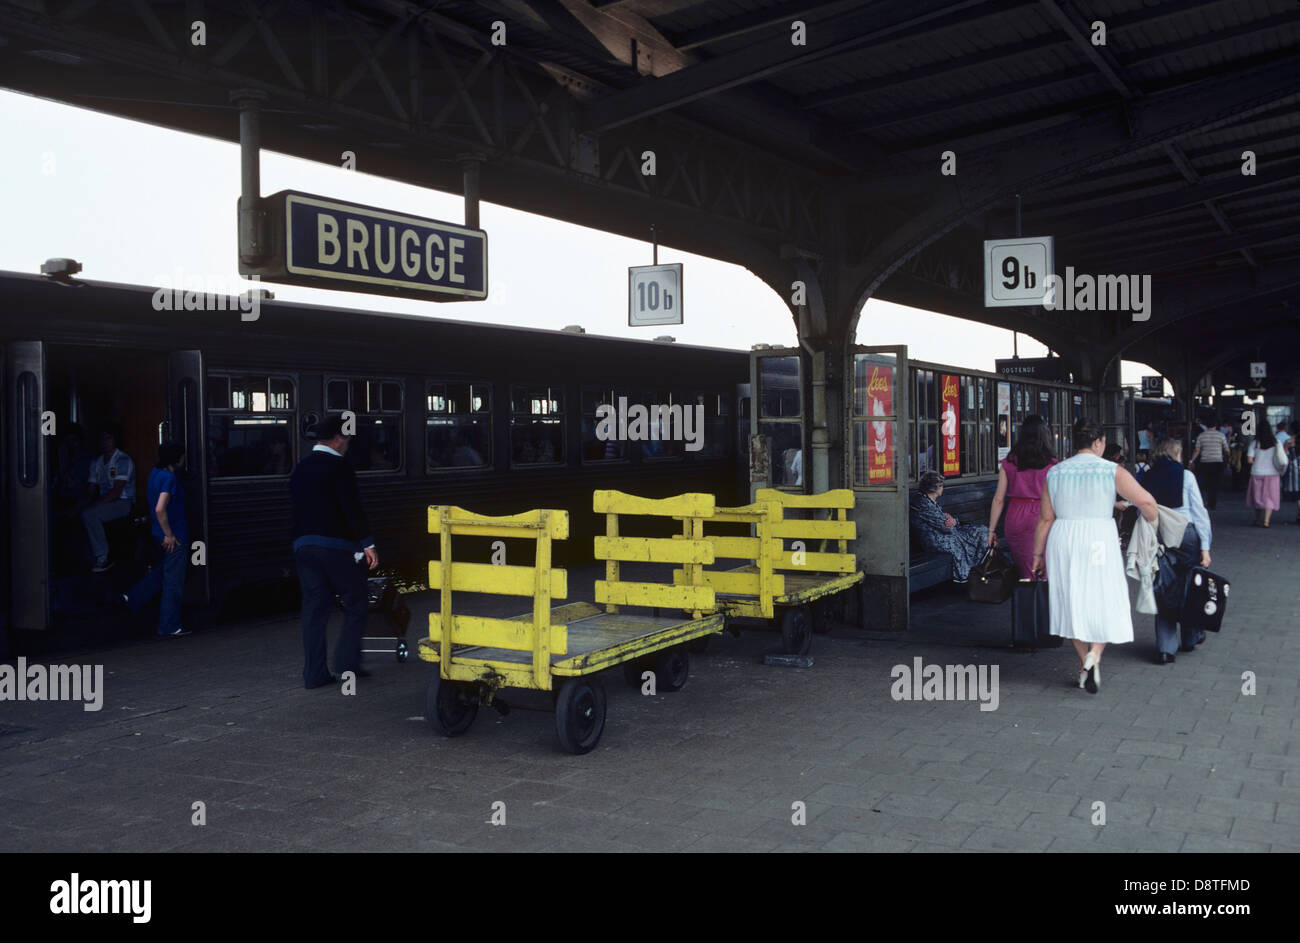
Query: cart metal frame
x=477, y=656
x=803, y=591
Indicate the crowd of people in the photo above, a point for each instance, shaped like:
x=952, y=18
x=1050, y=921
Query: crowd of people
x=1064, y=520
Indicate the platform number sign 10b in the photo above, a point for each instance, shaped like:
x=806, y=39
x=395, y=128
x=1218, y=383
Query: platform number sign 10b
x=1016, y=270
x=654, y=294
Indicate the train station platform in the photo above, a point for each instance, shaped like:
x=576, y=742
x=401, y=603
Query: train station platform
x=1182, y=759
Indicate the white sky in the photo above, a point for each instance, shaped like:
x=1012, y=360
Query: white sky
x=136, y=203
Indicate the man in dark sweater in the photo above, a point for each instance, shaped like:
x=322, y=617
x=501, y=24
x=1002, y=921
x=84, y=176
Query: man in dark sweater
x=329, y=535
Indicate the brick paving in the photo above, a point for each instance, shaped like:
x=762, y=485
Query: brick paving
x=1181, y=758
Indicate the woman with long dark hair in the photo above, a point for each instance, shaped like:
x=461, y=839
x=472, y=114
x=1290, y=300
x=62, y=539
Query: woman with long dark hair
x=172, y=534
x=1264, y=456
x=1076, y=540
x=1020, y=481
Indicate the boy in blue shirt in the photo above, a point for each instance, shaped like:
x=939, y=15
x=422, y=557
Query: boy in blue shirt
x=171, y=533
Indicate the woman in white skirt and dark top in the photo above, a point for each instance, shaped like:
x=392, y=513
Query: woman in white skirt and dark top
x=1087, y=593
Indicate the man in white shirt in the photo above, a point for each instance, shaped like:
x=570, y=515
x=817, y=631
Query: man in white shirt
x=112, y=485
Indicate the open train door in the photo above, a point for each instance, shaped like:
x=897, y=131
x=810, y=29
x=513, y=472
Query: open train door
x=185, y=423
x=25, y=460
x=877, y=437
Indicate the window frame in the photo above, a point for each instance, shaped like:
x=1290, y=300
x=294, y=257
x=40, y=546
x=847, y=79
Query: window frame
x=758, y=419
x=229, y=374
x=488, y=412
x=381, y=413
x=562, y=460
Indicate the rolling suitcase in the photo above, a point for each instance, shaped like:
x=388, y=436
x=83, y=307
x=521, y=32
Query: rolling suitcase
x=1206, y=600
x=1030, y=617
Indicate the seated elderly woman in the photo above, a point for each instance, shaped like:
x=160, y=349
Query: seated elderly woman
x=942, y=532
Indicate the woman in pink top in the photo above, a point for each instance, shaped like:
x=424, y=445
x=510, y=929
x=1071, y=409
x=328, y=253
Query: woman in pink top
x=1021, y=477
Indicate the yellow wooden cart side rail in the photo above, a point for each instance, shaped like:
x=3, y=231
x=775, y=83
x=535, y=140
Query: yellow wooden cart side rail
x=838, y=528
x=691, y=551
x=763, y=548
x=540, y=581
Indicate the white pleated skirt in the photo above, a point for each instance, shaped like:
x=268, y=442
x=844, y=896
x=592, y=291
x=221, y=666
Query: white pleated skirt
x=1087, y=591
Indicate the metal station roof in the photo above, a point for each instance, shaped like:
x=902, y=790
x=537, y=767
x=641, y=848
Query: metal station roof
x=818, y=161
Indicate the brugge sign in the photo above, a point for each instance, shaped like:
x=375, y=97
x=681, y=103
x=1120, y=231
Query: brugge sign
x=325, y=243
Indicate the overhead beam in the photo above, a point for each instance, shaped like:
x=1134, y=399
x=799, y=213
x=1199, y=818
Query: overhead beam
x=764, y=59
x=736, y=26
x=1048, y=159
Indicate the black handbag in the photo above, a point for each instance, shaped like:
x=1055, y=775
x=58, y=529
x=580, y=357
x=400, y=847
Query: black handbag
x=992, y=579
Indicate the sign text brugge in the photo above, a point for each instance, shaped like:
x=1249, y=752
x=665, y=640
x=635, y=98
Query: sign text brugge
x=326, y=243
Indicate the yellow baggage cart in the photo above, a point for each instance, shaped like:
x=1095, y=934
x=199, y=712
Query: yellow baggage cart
x=561, y=649
x=801, y=588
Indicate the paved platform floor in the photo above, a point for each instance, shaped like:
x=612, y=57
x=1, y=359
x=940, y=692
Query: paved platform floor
x=1182, y=759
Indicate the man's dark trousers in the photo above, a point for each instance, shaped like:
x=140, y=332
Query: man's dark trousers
x=1210, y=473
x=324, y=573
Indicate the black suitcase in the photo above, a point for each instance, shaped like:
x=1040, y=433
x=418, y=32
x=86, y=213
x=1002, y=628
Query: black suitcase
x=1030, y=616
x=1206, y=600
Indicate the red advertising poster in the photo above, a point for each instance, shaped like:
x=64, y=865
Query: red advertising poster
x=880, y=446
x=950, y=425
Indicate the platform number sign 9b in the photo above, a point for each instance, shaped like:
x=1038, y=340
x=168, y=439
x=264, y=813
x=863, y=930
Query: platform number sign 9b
x=654, y=294
x=1016, y=270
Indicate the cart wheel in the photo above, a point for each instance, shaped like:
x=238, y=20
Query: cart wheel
x=450, y=706
x=796, y=630
x=632, y=671
x=826, y=613
x=580, y=714
x=698, y=645
x=672, y=668
x=402, y=653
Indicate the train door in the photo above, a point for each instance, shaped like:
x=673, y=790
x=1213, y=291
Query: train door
x=877, y=435
x=26, y=473
x=184, y=423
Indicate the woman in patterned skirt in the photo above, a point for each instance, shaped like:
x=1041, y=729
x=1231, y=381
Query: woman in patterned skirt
x=1076, y=542
x=941, y=532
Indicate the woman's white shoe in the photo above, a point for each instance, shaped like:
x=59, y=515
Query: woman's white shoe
x=1092, y=674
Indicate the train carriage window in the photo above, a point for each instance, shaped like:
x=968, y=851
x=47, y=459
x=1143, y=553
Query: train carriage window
x=780, y=418
x=601, y=441
x=458, y=425
x=250, y=425
x=715, y=440
x=536, y=425
x=377, y=407
x=664, y=437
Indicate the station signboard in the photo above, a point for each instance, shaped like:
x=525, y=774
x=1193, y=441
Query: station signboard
x=325, y=243
x=1038, y=368
x=654, y=295
x=1153, y=386
x=1016, y=270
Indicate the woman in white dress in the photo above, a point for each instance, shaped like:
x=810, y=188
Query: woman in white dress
x=1087, y=593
